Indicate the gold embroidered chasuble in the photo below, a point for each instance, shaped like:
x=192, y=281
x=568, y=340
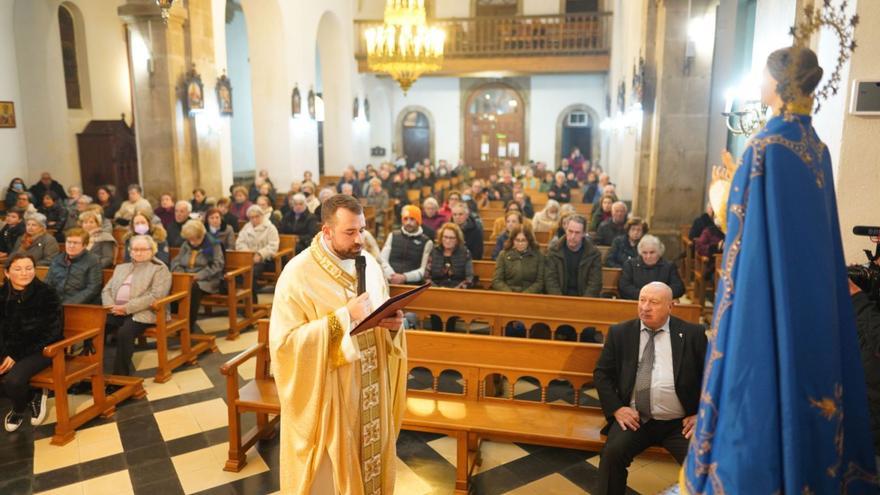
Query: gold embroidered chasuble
x=342, y=398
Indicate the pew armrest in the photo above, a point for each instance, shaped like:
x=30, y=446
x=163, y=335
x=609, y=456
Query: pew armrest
x=282, y=253
x=238, y=271
x=54, y=348
x=230, y=367
x=161, y=303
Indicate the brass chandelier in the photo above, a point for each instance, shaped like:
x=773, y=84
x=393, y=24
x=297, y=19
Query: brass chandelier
x=404, y=46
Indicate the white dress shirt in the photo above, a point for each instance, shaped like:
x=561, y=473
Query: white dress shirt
x=664, y=401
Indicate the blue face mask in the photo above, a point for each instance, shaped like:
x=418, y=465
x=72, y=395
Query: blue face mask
x=18, y=187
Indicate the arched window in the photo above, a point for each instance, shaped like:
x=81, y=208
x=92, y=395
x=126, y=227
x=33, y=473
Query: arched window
x=68, y=57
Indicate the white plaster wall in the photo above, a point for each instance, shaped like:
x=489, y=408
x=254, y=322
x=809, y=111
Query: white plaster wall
x=441, y=96
x=238, y=66
x=379, y=93
x=540, y=7
x=50, y=128
x=773, y=19
x=550, y=95
x=452, y=8
x=13, y=159
x=218, y=16
x=859, y=173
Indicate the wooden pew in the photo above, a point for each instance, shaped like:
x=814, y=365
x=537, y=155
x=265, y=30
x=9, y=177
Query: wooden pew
x=414, y=196
x=239, y=293
x=177, y=324
x=286, y=251
x=485, y=271
x=496, y=309
x=82, y=322
x=477, y=410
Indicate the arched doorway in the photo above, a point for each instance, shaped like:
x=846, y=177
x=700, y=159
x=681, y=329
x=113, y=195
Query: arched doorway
x=415, y=136
x=577, y=126
x=494, y=127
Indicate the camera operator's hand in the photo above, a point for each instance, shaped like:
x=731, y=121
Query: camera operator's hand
x=853, y=288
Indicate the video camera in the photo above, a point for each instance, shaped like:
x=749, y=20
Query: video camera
x=867, y=276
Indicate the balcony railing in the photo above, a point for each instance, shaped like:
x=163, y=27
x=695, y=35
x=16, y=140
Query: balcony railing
x=569, y=34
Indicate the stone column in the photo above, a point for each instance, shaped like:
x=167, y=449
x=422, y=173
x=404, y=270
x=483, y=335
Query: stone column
x=176, y=151
x=671, y=174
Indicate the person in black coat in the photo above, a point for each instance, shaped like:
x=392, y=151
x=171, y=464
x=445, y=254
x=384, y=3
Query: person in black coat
x=560, y=190
x=667, y=355
x=625, y=247
x=56, y=215
x=707, y=219
x=472, y=229
x=30, y=319
x=75, y=273
x=13, y=229
x=47, y=184
x=649, y=267
x=299, y=222
x=16, y=186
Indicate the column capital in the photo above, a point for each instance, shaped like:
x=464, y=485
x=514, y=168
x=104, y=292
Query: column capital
x=136, y=11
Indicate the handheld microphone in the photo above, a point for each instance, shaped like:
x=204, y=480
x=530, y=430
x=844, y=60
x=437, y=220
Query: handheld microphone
x=360, y=266
x=866, y=231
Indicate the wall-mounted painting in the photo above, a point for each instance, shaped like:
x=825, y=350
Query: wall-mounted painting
x=7, y=114
x=356, y=109
x=224, y=95
x=195, y=91
x=296, y=102
x=311, y=104
x=367, y=109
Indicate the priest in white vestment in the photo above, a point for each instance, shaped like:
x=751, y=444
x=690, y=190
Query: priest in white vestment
x=342, y=396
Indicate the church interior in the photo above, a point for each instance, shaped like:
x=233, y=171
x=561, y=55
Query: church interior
x=280, y=101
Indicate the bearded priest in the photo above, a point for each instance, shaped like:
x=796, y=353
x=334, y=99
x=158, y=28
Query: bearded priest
x=342, y=396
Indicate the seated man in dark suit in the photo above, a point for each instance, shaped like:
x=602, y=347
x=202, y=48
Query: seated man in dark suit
x=648, y=378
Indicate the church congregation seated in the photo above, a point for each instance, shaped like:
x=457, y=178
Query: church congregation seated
x=649, y=267
x=512, y=219
x=260, y=237
x=574, y=265
x=520, y=266
x=182, y=210
x=202, y=256
x=141, y=225
x=612, y=227
x=471, y=227
x=603, y=213
x=407, y=249
x=56, y=215
x=101, y=243
x=133, y=288
x=36, y=242
x=16, y=186
x=75, y=273
x=135, y=202
x=217, y=227
x=12, y=229
x=625, y=246
x=449, y=263
x=299, y=221
x=30, y=319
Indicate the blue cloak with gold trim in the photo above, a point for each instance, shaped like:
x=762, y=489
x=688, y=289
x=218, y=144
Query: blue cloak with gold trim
x=783, y=407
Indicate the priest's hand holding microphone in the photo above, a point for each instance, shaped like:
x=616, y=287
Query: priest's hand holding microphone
x=360, y=307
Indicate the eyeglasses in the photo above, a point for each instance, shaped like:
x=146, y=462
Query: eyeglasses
x=449, y=238
x=140, y=250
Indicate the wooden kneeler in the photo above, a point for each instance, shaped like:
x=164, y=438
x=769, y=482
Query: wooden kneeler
x=82, y=322
x=178, y=324
x=239, y=264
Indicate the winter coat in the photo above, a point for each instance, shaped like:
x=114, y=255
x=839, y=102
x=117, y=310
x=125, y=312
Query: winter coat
x=621, y=250
x=8, y=235
x=43, y=248
x=262, y=239
x=473, y=237
x=589, y=272
x=103, y=245
x=636, y=274
x=76, y=281
x=150, y=282
x=519, y=272
x=206, y=261
x=305, y=227
x=29, y=320
x=608, y=231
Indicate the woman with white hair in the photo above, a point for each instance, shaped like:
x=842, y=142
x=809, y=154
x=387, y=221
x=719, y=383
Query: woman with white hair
x=134, y=287
x=649, y=267
x=299, y=221
x=547, y=220
x=36, y=242
x=560, y=191
x=261, y=237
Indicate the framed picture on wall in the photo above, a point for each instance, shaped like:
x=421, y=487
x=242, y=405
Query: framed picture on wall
x=296, y=102
x=311, y=104
x=195, y=91
x=367, y=109
x=7, y=114
x=224, y=95
x=356, y=108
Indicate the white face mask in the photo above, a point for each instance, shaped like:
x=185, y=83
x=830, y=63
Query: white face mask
x=141, y=229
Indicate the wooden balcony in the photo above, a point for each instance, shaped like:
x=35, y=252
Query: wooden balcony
x=513, y=45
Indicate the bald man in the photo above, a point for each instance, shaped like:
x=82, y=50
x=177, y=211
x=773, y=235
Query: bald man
x=648, y=378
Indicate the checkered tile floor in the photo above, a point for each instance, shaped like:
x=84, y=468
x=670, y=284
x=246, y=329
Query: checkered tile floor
x=175, y=442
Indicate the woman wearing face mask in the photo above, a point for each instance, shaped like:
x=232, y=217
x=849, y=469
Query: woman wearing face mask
x=218, y=228
x=16, y=186
x=141, y=225
x=101, y=243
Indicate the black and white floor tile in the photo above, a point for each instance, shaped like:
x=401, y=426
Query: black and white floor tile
x=175, y=442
